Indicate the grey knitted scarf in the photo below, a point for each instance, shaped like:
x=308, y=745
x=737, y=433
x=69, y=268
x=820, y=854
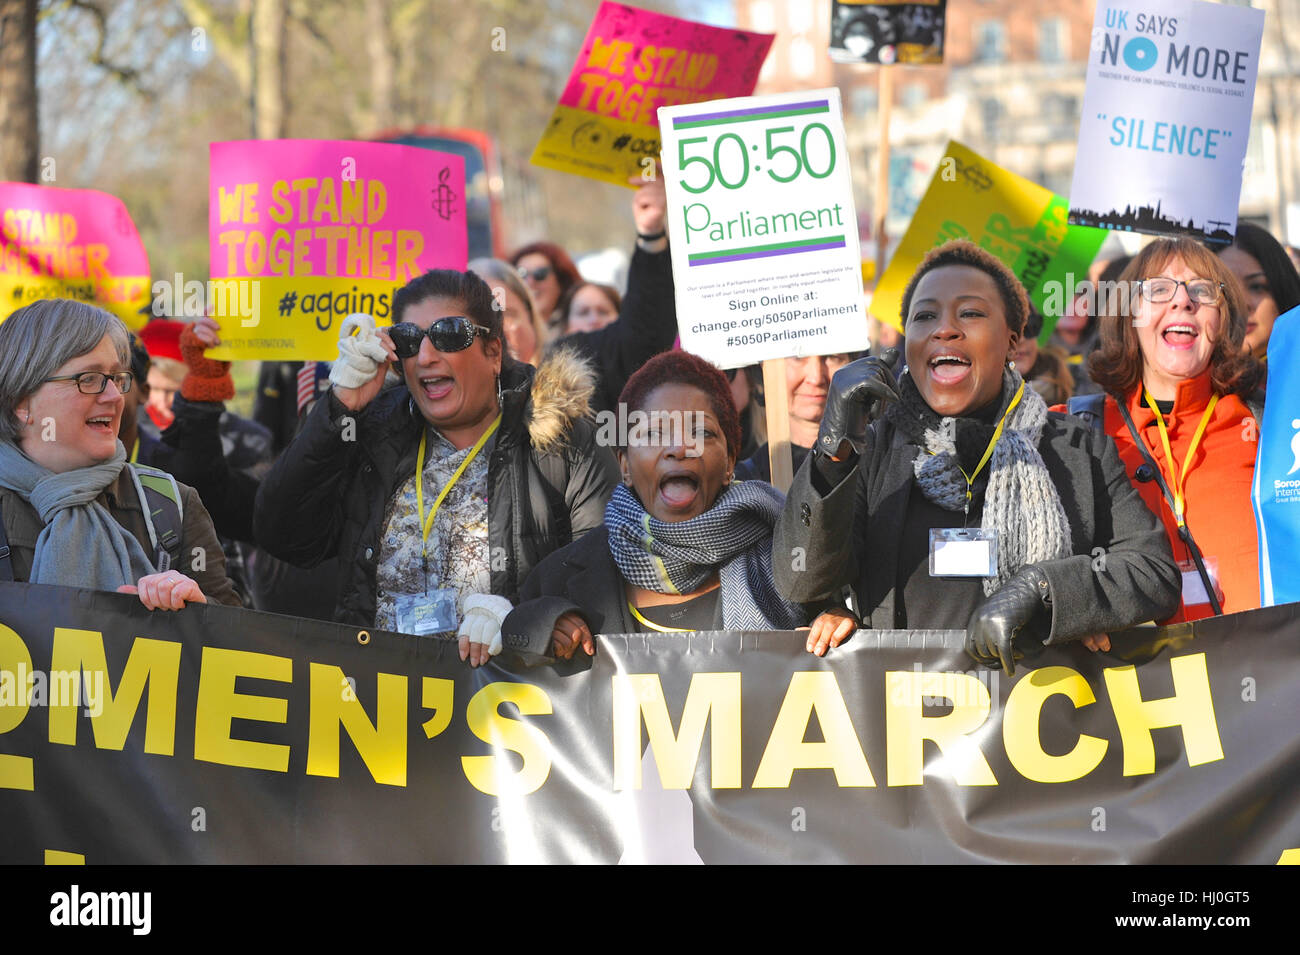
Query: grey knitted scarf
x=81, y=544
x=1020, y=499
x=732, y=538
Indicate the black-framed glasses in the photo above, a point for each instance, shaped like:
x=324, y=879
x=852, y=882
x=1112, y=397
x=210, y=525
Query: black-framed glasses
x=454, y=333
x=94, y=382
x=1162, y=289
x=539, y=274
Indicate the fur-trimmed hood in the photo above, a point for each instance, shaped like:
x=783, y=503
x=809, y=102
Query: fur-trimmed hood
x=560, y=391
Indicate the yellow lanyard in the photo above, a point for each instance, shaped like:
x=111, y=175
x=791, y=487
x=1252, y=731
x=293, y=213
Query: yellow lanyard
x=655, y=626
x=1176, y=479
x=419, y=482
x=988, y=452
x=135, y=450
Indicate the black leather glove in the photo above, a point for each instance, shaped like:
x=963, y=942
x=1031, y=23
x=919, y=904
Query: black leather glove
x=854, y=390
x=1007, y=617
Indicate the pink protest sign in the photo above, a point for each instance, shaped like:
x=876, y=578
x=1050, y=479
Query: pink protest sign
x=70, y=243
x=631, y=63
x=306, y=232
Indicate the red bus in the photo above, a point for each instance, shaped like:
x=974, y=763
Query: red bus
x=504, y=206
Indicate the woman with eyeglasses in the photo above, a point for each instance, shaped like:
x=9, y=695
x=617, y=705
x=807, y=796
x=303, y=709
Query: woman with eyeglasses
x=75, y=513
x=1177, y=384
x=439, y=495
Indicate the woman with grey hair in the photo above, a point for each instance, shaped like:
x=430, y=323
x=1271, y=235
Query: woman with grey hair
x=74, y=513
x=521, y=323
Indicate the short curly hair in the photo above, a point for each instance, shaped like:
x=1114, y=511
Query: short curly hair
x=965, y=252
x=683, y=368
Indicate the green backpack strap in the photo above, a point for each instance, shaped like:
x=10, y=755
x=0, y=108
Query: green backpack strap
x=160, y=501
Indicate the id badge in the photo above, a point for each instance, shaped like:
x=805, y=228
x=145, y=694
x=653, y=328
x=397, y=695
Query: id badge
x=427, y=614
x=1193, y=586
x=963, y=552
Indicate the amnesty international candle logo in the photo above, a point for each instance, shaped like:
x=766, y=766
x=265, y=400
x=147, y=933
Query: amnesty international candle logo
x=444, y=197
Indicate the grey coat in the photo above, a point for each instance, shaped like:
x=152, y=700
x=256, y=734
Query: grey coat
x=1122, y=571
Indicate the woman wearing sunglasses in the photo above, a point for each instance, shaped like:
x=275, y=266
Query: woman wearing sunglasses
x=549, y=273
x=507, y=464
x=1177, y=383
x=74, y=511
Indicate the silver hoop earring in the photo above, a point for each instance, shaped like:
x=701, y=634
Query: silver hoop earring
x=498, y=389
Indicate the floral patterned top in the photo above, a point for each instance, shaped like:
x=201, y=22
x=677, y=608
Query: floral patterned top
x=458, y=543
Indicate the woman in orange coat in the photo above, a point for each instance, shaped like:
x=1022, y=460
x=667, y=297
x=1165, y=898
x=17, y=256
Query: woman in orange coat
x=1177, y=385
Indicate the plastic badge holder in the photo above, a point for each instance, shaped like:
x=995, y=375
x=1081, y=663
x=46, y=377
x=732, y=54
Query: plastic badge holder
x=963, y=552
x=427, y=614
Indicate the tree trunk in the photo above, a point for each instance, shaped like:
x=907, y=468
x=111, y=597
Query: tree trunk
x=270, y=20
x=382, y=50
x=19, y=119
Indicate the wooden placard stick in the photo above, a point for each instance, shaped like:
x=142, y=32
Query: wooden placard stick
x=778, y=423
x=886, y=102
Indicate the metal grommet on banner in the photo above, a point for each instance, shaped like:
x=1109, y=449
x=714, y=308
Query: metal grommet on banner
x=363, y=637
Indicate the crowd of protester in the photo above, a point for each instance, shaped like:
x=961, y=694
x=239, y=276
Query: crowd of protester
x=446, y=477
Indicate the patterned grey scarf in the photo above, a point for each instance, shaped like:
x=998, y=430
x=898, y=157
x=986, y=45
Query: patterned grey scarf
x=81, y=545
x=1020, y=500
x=733, y=538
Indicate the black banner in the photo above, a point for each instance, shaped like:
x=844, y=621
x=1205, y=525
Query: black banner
x=223, y=735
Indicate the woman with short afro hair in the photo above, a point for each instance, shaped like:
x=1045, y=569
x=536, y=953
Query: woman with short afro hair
x=965, y=504
x=684, y=546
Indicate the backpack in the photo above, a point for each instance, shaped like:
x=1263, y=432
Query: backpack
x=1090, y=409
x=160, y=502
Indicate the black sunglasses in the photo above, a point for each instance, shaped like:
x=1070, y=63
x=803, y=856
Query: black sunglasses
x=538, y=274
x=454, y=333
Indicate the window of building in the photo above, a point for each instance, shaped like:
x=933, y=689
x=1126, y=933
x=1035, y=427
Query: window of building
x=800, y=16
x=803, y=59
x=914, y=94
x=864, y=99
x=1054, y=40
x=762, y=16
x=990, y=42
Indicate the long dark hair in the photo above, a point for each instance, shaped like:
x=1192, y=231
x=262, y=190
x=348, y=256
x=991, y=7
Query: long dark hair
x=1279, y=272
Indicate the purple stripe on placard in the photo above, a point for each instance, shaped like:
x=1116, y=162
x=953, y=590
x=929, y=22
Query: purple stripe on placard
x=754, y=111
x=818, y=247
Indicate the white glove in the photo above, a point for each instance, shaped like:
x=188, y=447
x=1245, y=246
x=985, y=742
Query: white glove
x=484, y=614
x=360, y=355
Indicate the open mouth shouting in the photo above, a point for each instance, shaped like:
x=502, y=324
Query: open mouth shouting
x=103, y=425
x=437, y=387
x=948, y=366
x=679, y=490
x=1180, y=334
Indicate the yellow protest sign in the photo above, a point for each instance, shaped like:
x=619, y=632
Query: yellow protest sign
x=1019, y=221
